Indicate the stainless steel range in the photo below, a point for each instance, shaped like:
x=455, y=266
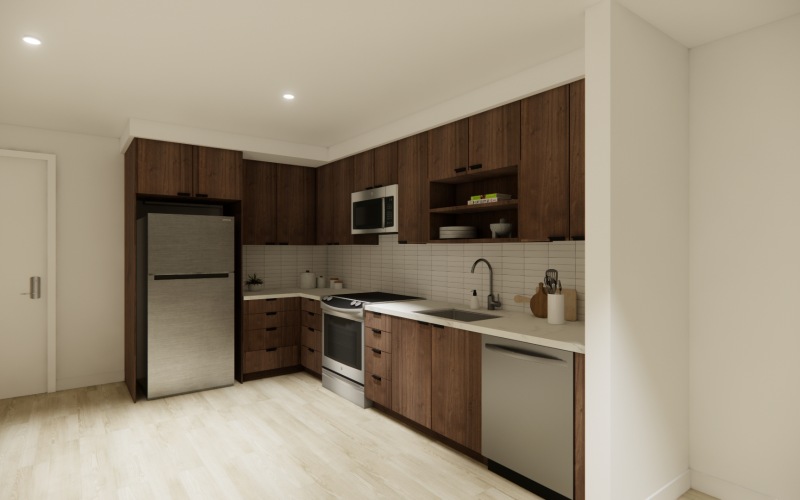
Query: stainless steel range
x=343, y=342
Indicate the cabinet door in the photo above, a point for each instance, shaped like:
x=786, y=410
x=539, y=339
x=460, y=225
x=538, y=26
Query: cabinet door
x=258, y=203
x=494, y=138
x=411, y=370
x=296, y=205
x=456, y=385
x=448, y=150
x=364, y=170
x=413, y=189
x=218, y=174
x=385, y=165
x=326, y=184
x=577, y=175
x=544, y=170
x=163, y=168
x=343, y=188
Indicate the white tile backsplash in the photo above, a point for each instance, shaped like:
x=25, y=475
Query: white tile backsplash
x=434, y=271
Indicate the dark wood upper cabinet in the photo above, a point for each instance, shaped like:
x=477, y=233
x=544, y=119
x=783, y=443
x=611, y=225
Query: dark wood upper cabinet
x=296, y=205
x=577, y=168
x=258, y=203
x=494, y=138
x=334, y=187
x=544, y=170
x=163, y=168
x=364, y=170
x=376, y=167
x=456, y=385
x=385, y=166
x=278, y=204
x=411, y=370
x=171, y=169
x=218, y=173
x=412, y=166
x=448, y=150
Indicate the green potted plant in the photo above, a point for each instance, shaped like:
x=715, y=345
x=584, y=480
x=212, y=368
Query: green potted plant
x=254, y=283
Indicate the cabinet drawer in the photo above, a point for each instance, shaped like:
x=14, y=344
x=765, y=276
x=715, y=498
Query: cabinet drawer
x=378, y=389
x=311, y=305
x=271, y=305
x=311, y=358
x=378, y=362
x=271, y=319
x=378, y=339
x=313, y=320
x=310, y=337
x=258, y=340
x=271, y=359
x=379, y=321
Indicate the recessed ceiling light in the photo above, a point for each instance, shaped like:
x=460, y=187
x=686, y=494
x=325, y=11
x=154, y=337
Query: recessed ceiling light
x=288, y=97
x=31, y=40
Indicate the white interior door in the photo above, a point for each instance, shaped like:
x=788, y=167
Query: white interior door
x=27, y=262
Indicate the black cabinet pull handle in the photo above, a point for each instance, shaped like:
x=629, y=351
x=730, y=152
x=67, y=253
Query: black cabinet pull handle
x=376, y=378
x=201, y=195
x=376, y=331
x=270, y=300
x=423, y=323
x=283, y=243
x=310, y=349
x=310, y=329
x=556, y=238
x=377, y=315
x=184, y=194
x=476, y=166
x=272, y=328
x=272, y=349
x=271, y=314
x=403, y=242
x=437, y=326
x=460, y=170
x=376, y=351
x=579, y=237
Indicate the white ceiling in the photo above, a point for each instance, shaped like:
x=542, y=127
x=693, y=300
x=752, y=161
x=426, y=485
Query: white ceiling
x=355, y=65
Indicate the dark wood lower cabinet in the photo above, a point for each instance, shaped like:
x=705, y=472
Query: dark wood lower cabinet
x=270, y=337
x=271, y=359
x=456, y=385
x=411, y=370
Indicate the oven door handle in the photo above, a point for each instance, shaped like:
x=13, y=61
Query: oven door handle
x=354, y=314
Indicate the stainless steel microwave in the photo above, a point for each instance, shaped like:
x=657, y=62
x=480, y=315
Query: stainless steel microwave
x=374, y=210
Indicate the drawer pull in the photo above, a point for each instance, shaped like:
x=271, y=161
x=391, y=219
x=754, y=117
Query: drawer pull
x=271, y=314
x=376, y=351
x=423, y=323
x=272, y=328
x=376, y=378
x=270, y=300
x=201, y=195
x=377, y=315
x=437, y=326
x=376, y=331
x=272, y=349
x=475, y=167
x=310, y=329
x=310, y=349
x=460, y=170
x=181, y=193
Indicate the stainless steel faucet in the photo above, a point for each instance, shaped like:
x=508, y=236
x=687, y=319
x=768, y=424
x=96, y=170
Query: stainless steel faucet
x=492, y=301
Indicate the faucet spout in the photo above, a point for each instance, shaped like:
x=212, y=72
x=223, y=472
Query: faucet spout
x=492, y=303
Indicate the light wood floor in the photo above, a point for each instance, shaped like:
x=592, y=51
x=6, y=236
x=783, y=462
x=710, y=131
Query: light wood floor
x=283, y=437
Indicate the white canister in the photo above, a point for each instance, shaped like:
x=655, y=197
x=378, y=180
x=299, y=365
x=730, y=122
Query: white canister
x=321, y=282
x=307, y=280
x=555, y=309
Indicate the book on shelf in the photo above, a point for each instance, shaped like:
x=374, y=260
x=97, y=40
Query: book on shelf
x=486, y=200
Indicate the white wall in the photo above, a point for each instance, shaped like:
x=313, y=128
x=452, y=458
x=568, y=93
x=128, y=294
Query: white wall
x=745, y=243
x=636, y=258
x=89, y=262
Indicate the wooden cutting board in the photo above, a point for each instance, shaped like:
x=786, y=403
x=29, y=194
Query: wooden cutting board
x=539, y=302
x=570, y=304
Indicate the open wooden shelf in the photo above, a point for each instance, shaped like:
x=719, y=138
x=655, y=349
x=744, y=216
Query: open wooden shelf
x=483, y=207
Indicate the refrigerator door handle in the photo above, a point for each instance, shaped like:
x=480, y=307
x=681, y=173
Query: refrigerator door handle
x=159, y=277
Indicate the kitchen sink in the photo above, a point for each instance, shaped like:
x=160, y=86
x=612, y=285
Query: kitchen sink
x=457, y=314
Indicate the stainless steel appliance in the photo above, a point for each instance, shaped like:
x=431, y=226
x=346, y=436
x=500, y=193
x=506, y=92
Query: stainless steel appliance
x=343, y=342
x=374, y=210
x=185, y=307
x=527, y=423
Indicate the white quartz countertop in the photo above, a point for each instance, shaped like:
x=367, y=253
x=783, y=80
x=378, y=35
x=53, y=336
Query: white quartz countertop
x=512, y=325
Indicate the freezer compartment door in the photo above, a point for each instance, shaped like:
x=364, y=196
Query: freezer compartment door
x=189, y=244
x=190, y=335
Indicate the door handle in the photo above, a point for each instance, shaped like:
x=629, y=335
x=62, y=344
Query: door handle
x=35, y=288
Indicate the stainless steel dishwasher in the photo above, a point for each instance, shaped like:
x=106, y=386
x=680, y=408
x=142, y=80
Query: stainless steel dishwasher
x=527, y=415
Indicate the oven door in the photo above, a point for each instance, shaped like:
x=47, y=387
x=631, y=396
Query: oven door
x=343, y=345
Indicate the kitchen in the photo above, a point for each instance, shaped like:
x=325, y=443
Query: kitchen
x=90, y=312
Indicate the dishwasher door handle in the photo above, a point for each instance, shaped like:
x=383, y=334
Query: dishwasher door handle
x=525, y=355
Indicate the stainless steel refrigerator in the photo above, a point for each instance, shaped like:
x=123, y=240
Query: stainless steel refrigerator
x=185, y=303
